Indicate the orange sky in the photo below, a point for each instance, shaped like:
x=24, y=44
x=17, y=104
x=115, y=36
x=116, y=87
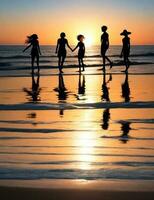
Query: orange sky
x=73, y=20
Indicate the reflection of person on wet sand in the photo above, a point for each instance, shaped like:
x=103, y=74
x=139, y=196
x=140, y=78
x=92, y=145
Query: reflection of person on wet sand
x=126, y=49
x=105, y=89
x=105, y=97
x=81, y=88
x=81, y=51
x=126, y=89
x=61, y=50
x=125, y=128
x=34, y=93
x=105, y=46
x=106, y=119
x=62, y=91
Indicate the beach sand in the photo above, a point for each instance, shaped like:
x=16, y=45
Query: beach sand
x=77, y=190
x=70, y=194
x=56, y=137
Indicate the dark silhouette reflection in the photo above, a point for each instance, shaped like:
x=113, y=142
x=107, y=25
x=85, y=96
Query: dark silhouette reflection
x=33, y=116
x=125, y=128
x=81, y=87
x=34, y=93
x=61, y=50
x=106, y=119
x=105, y=89
x=126, y=89
x=105, y=97
x=126, y=49
x=105, y=46
x=61, y=89
x=62, y=92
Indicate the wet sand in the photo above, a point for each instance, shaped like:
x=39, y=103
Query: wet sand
x=77, y=190
x=70, y=194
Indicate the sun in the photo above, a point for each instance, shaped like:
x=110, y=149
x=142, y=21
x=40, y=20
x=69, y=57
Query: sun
x=88, y=40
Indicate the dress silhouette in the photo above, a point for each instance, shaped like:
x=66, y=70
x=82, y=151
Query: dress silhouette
x=125, y=49
x=61, y=50
x=125, y=128
x=34, y=93
x=105, y=46
x=81, y=51
x=126, y=89
x=33, y=42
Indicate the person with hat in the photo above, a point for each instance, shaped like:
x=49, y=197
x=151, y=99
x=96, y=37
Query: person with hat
x=32, y=40
x=105, y=46
x=61, y=50
x=125, y=49
x=81, y=51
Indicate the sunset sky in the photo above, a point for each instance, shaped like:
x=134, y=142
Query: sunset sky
x=47, y=18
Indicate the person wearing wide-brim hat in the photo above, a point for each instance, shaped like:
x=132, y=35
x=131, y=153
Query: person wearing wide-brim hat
x=126, y=48
x=105, y=46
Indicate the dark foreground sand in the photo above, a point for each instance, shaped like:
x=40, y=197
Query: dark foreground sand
x=9, y=193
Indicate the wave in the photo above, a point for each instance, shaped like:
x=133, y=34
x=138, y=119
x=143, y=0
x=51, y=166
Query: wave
x=99, y=174
x=150, y=54
x=65, y=162
x=96, y=147
x=77, y=154
x=68, y=106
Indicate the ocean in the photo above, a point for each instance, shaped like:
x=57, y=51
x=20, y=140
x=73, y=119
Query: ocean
x=91, y=126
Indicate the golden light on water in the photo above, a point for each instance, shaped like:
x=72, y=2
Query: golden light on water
x=86, y=142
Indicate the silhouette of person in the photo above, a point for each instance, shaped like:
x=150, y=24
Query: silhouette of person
x=125, y=128
x=33, y=42
x=125, y=49
x=61, y=50
x=81, y=51
x=105, y=46
x=106, y=119
x=62, y=91
x=34, y=93
x=126, y=89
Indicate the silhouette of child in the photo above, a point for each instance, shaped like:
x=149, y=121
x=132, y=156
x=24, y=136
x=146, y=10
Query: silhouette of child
x=61, y=50
x=125, y=49
x=81, y=51
x=32, y=40
x=105, y=46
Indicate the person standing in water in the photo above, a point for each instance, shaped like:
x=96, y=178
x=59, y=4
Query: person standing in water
x=125, y=49
x=32, y=40
x=81, y=51
x=105, y=46
x=61, y=50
